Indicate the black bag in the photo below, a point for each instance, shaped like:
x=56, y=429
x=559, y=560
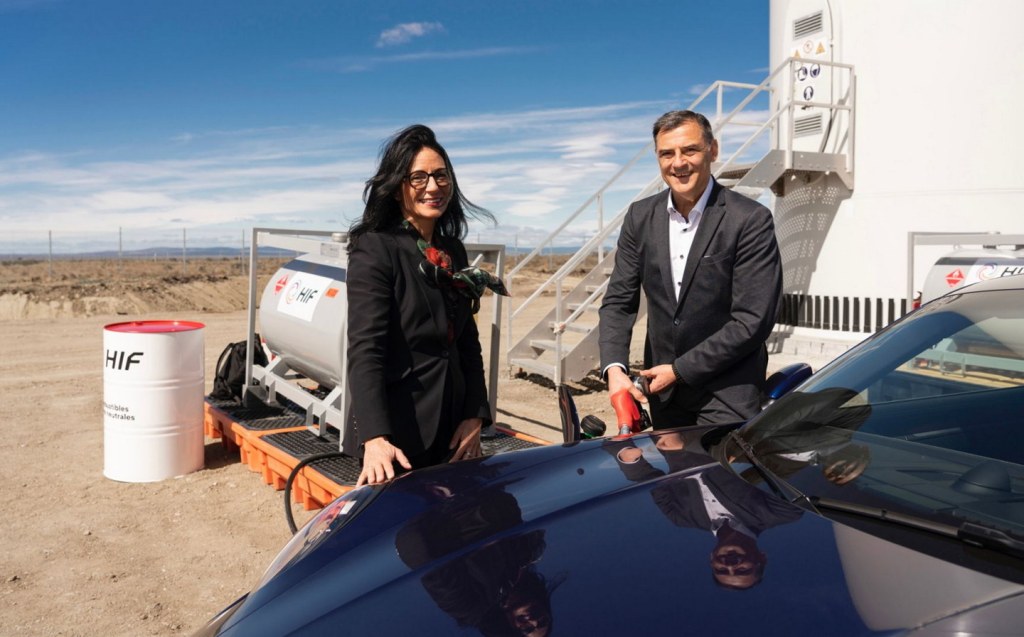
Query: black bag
x=230, y=374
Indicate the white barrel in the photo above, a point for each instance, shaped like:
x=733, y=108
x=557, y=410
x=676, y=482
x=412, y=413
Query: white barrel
x=153, y=381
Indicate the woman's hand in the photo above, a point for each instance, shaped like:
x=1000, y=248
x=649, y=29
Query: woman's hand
x=466, y=441
x=379, y=458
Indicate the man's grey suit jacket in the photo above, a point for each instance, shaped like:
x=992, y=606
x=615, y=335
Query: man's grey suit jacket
x=715, y=334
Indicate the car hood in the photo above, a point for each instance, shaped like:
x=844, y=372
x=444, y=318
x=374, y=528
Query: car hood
x=605, y=537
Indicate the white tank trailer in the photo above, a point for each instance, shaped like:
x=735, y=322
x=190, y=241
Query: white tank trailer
x=964, y=267
x=932, y=138
x=303, y=323
x=303, y=314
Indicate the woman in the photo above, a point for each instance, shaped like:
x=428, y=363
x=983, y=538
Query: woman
x=414, y=366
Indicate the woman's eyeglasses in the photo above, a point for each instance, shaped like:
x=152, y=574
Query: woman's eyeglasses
x=419, y=179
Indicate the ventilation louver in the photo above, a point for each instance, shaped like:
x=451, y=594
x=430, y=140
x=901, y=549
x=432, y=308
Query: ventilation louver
x=807, y=25
x=804, y=126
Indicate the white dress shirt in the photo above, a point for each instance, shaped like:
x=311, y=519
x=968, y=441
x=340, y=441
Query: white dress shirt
x=718, y=513
x=681, y=232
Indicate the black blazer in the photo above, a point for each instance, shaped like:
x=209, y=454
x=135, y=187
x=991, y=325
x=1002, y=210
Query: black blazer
x=398, y=350
x=732, y=286
x=681, y=501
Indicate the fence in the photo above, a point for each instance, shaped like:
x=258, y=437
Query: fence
x=175, y=252
x=179, y=250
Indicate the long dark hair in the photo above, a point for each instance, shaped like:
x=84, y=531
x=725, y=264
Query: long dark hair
x=383, y=211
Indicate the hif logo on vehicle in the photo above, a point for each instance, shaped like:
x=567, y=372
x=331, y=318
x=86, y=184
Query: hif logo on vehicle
x=300, y=293
x=996, y=271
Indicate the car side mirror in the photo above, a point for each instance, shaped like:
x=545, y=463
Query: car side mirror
x=572, y=428
x=783, y=381
x=569, y=415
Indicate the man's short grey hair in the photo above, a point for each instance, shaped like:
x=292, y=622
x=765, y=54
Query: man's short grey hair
x=674, y=119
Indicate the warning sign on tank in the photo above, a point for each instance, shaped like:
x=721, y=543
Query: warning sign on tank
x=300, y=297
x=283, y=281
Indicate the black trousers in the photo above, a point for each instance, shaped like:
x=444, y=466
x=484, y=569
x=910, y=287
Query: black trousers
x=685, y=406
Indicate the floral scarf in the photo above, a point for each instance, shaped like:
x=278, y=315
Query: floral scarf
x=469, y=282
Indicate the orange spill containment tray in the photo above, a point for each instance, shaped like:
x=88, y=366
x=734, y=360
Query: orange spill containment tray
x=272, y=440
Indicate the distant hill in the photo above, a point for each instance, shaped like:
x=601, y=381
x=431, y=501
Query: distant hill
x=219, y=252
x=157, y=253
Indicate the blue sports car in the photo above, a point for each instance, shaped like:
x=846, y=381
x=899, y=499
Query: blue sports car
x=883, y=496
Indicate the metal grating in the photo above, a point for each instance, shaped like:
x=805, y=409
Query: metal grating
x=301, y=444
x=805, y=126
x=344, y=470
x=502, y=443
x=260, y=417
x=808, y=25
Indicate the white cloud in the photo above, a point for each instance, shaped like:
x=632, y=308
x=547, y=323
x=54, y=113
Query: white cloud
x=402, y=33
x=696, y=89
x=122, y=200
x=530, y=168
x=367, y=63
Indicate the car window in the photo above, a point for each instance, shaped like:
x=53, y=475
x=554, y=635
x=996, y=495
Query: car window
x=955, y=367
x=928, y=414
x=981, y=357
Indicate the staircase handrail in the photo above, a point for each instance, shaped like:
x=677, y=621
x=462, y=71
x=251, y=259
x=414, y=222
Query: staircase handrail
x=719, y=123
x=572, y=217
x=715, y=87
x=787, y=107
x=598, y=291
x=587, y=247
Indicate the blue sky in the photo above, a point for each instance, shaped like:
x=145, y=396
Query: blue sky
x=216, y=116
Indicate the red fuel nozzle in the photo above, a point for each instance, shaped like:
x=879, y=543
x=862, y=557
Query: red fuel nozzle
x=627, y=412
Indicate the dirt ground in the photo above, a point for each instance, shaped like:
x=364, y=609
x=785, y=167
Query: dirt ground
x=84, y=555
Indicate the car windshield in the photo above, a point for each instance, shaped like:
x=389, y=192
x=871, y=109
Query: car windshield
x=926, y=417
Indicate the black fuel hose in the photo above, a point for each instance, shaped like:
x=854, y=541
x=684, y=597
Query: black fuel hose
x=291, y=478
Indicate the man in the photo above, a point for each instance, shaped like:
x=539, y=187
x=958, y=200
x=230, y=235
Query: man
x=708, y=262
x=703, y=494
x=716, y=500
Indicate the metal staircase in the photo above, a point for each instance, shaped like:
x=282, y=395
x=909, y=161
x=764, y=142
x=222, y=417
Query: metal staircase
x=797, y=136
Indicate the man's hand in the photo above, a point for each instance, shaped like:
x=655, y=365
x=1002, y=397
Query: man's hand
x=379, y=456
x=661, y=377
x=618, y=380
x=466, y=441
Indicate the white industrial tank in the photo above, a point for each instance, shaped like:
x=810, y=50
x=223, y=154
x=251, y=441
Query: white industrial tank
x=303, y=314
x=964, y=267
x=931, y=139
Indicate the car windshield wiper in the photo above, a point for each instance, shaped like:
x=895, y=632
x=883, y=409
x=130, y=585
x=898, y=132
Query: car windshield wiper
x=973, y=533
x=783, y=490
